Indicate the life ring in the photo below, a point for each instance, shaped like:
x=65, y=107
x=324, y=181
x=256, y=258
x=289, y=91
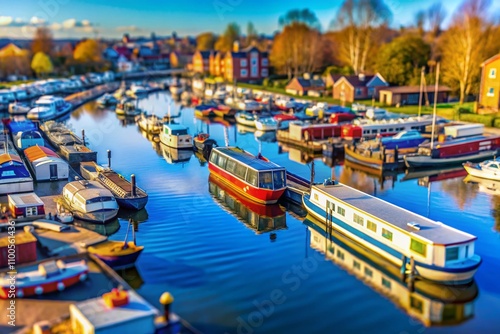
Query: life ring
x=38, y=290
x=60, y=286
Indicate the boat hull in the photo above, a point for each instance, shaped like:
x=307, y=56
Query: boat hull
x=120, y=261
x=135, y=203
x=445, y=275
x=97, y=216
x=472, y=170
x=421, y=161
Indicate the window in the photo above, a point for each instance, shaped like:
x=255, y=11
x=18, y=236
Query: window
x=244, y=73
x=252, y=177
x=493, y=73
x=341, y=211
x=264, y=72
x=356, y=265
x=418, y=247
x=451, y=253
x=368, y=272
x=358, y=219
x=466, y=251
x=279, y=179
x=331, y=206
x=243, y=62
x=358, y=91
x=230, y=166
x=416, y=304
x=240, y=171
x=213, y=157
x=222, y=161
x=387, y=234
x=386, y=283
x=371, y=226
x=340, y=254
x=265, y=62
x=253, y=61
x=491, y=91
x=266, y=180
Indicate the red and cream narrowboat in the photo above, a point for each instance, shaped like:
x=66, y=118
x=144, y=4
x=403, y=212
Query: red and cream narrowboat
x=365, y=128
x=50, y=277
x=255, y=178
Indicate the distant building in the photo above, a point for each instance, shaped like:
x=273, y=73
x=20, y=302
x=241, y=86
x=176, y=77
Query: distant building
x=247, y=65
x=216, y=64
x=410, y=95
x=302, y=86
x=331, y=79
x=489, y=91
x=181, y=60
x=201, y=61
x=358, y=87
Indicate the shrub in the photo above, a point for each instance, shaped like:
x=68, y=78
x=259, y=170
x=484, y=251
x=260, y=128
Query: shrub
x=496, y=123
x=487, y=120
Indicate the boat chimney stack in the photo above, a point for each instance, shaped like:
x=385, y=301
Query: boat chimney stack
x=132, y=181
x=166, y=300
x=109, y=159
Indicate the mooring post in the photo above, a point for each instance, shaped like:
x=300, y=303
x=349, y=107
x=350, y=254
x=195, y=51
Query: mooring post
x=132, y=181
x=83, y=137
x=109, y=159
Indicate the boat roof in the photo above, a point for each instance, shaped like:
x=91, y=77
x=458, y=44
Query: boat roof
x=87, y=189
x=26, y=125
x=463, y=140
x=25, y=199
x=175, y=126
x=432, y=231
x=7, y=157
x=37, y=152
x=248, y=159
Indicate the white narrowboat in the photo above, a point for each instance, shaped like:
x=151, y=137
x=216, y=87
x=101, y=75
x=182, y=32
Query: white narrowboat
x=88, y=200
x=438, y=252
x=176, y=136
x=14, y=176
x=46, y=164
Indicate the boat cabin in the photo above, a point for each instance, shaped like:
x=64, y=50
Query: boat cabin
x=27, y=205
x=14, y=176
x=46, y=164
x=89, y=196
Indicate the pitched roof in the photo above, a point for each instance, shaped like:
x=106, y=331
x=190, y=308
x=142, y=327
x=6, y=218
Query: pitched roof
x=310, y=82
x=205, y=54
x=414, y=89
x=36, y=152
x=490, y=60
x=357, y=82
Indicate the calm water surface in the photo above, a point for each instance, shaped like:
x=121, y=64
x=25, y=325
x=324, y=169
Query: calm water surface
x=230, y=274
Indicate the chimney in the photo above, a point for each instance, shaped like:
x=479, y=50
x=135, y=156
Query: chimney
x=307, y=76
x=361, y=77
x=236, y=46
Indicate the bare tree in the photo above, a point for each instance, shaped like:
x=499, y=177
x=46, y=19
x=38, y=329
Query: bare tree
x=435, y=16
x=357, y=19
x=464, y=45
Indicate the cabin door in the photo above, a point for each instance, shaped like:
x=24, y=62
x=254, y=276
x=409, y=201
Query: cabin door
x=53, y=172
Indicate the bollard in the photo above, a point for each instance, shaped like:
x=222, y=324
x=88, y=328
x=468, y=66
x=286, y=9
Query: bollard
x=166, y=300
x=132, y=181
x=83, y=137
x=109, y=159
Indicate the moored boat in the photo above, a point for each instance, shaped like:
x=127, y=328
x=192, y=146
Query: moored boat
x=224, y=111
x=127, y=107
x=106, y=100
x=176, y=136
x=489, y=169
x=365, y=128
x=428, y=249
x=149, y=123
x=204, y=110
x=202, y=141
x=245, y=118
x=49, y=107
x=259, y=180
x=18, y=108
x=51, y=276
x=266, y=124
x=14, y=176
x=126, y=193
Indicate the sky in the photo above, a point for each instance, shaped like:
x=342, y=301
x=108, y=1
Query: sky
x=112, y=18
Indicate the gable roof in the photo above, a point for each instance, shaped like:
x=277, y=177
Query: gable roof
x=490, y=60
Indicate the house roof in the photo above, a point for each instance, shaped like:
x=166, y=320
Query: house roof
x=414, y=89
x=205, y=54
x=309, y=83
x=490, y=60
x=334, y=77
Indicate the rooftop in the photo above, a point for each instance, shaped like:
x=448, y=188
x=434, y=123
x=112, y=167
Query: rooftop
x=248, y=159
x=434, y=232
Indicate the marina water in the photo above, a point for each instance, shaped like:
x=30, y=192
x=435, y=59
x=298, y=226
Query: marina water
x=228, y=278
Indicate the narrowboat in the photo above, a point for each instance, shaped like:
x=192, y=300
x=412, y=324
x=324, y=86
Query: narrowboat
x=25, y=134
x=489, y=169
x=45, y=164
x=149, y=123
x=430, y=303
x=428, y=249
x=365, y=128
x=26, y=205
x=176, y=136
x=126, y=193
x=89, y=200
x=14, y=176
x=260, y=218
x=51, y=276
x=253, y=177
x=454, y=152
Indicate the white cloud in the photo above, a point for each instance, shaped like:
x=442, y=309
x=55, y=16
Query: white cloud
x=55, y=26
x=9, y=21
x=36, y=21
x=74, y=23
x=128, y=29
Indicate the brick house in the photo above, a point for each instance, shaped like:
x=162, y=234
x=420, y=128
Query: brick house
x=201, y=61
x=331, y=79
x=489, y=91
x=358, y=87
x=302, y=86
x=248, y=65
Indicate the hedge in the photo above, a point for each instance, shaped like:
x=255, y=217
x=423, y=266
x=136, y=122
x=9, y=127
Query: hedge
x=487, y=120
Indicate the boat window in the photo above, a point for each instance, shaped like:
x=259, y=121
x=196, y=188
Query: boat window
x=358, y=219
x=179, y=132
x=494, y=166
x=315, y=197
x=341, y=211
x=416, y=304
x=330, y=205
x=231, y=166
x=374, y=131
x=252, y=177
x=451, y=253
x=99, y=199
x=340, y=254
x=356, y=265
x=368, y=272
x=214, y=156
x=418, y=247
x=266, y=180
x=221, y=162
x=371, y=226
x=279, y=179
x=450, y=312
x=386, y=283
x=383, y=130
x=387, y=234
x=240, y=171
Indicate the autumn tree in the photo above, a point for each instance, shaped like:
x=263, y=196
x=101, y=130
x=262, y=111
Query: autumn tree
x=88, y=51
x=227, y=39
x=252, y=36
x=42, y=41
x=297, y=49
x=357, y=21
x=205, y=41
x=401, y=60
x=466, y=44
x=41, y=64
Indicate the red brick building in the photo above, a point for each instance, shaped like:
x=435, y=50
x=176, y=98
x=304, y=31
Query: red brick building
x=247, y=65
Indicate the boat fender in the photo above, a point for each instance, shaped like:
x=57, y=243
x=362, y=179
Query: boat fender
x=60, y=286
x=38, y=290
x=83, y=277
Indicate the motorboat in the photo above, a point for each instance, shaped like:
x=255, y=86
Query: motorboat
x=202, y=141
x=18, y=108
x=489, y=169
x=176, y=136
x=127, y=107
x=107, y=100
x=266, y=124
x=245, y=118
x=49, y=107
x=248, y=105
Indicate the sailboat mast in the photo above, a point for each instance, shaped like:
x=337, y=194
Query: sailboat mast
x=421, y=92
x=435, y=106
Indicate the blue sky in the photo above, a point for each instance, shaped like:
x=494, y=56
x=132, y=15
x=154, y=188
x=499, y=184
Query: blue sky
x=111, y=18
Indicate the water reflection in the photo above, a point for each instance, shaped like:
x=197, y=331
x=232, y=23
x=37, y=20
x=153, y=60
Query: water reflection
x=488, y=187
x=137, y=216
x=175, y=156
x=132, y=277
x=107, y=229
x=354, y=173
x=298, y=155
x=259, y=217
x=429, y=302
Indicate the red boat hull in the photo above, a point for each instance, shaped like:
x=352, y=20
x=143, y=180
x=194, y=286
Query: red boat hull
x=264, y=196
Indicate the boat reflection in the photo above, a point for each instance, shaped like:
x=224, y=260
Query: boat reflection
x=175, y=156
x=265, y=136
x=431, y=303
x=226, y=122
x=201, y=159
x=425, y=177
x=131, y=276
x=126, y=120
x=259, y=217
x=107, y=229
x=298, y=155
x=243, y=129
x=381, y=176
x=137, y=216
x=486, y=186
x=364, y=179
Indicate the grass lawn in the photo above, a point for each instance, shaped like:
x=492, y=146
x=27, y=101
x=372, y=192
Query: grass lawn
x=13, y=83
